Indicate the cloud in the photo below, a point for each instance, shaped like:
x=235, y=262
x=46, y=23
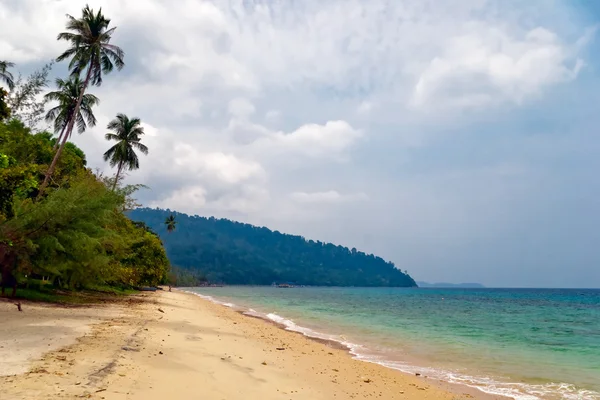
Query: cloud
x=313, y=140
x=394, y=126
x=241, y=108
x=485, y=65
x=330, y=197
x=272, y=115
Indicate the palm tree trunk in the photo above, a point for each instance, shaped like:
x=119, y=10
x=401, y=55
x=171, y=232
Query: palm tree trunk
x=67, y=134
x=60, y=137
x=117, y=176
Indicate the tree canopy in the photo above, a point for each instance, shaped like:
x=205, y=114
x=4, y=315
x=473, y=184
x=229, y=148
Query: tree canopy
x=230, y=252
x=60, y=223
x=76, y=236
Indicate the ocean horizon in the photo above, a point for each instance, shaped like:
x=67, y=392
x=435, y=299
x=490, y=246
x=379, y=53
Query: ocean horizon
x=526, y=343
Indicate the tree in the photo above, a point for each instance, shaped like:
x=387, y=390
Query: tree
x=4, y=109
x=67, y=95
x=170, y=223
x=127, y=136
x=90, y=49
x=5, y=74
x=225, y=251
x=24, y=100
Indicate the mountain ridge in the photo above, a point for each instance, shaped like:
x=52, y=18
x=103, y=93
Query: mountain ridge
x=231, y=252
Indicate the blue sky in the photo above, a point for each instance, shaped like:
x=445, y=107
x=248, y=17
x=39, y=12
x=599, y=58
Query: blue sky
x=457, y=139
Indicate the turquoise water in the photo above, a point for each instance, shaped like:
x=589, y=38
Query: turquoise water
x=526, y=343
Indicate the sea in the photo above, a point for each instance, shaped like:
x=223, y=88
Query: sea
x=521, y=343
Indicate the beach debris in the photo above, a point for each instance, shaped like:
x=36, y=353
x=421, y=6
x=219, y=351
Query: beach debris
x=264, y=363
x=366, y=380
x=161, y=310
x=19, y=306
x=417, y=374
x=160, y=352
x=101, y=390
x=280, y=348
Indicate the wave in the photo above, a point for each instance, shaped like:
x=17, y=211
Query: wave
x=489, y=385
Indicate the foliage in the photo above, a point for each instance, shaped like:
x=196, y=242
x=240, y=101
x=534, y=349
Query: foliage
x=24, y=99
x=67, y=95
x=186, y=278
x=171, y=223
x=24, y=158
x=235, y=253
x=61, y=225
x=89, y=37
x=6, y=75
x=127, y=134
x=4, y=109
x=77, y=236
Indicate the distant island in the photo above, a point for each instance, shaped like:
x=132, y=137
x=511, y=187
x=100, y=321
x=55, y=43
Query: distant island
x=450, y=285
x=223, y=251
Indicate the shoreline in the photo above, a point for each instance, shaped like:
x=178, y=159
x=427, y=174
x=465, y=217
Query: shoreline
x=177, y=345
x=456, y=388
x=402, y=353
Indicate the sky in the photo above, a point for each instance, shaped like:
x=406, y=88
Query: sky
x=458, y=139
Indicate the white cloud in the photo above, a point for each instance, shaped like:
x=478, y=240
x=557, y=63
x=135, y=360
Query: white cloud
x=314, y=140
x=272, y=115
x=364, y=107
x=241, y=108
x=254, y=109
x=225, y=167
x=487, y=65
x=330, y=196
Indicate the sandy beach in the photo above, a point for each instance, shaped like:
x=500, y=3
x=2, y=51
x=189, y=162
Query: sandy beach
x=174, y=345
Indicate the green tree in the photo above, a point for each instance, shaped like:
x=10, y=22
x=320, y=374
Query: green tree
x=127, y=134
x=24, y=100
x=5, y=74
x=67, y=96
x=4, y=109
x=170, y=223
x=90, y=49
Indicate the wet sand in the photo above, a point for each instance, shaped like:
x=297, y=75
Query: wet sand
x=174, y=345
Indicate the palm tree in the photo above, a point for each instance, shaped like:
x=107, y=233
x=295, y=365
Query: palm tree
x=90, y=49
x=67, y=96
x=5, y=75
x=127, y=136
x=170, y=223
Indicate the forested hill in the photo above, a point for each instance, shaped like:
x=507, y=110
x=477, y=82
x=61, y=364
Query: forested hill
x=231, y=252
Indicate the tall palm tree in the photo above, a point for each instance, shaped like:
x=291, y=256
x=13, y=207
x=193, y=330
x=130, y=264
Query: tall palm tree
x=5, y=74
x=170, y=223
x=127, y=135
x=67, y=96
x=90, y=49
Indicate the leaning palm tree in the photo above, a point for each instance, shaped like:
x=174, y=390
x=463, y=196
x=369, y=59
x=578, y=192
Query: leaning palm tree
x=92, y=52
x=5, y=74
x=170, y=222
x=127, y=135
x=67, y=96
